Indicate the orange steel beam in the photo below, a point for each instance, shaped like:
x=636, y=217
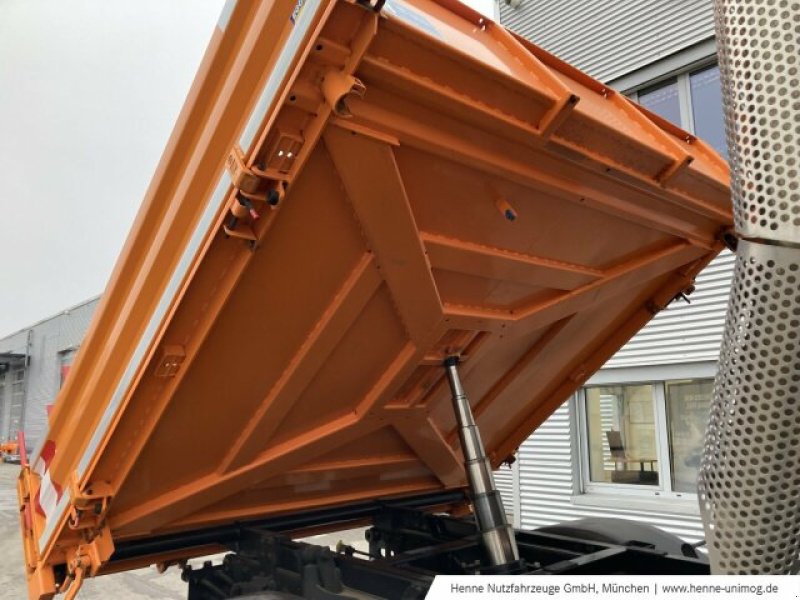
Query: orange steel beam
x=354, y=294
x=407, y=83
x=391, y=379
x=509, y=376
x=356, y=465
x=375, y=188
x=524, y=361
x=451, y=100
x=717, y=162
x=488, y=73
x=604, y=346
x=179, y=504
x=600, y=88
x=431, y=446
x=680, y=157
x=641, y=268
x=566, y=100
x=386, y=491
x=214, y=487
x=538, y=314
x=497, y=263
x=531, y=169
x=482, y=343
x=205, y=491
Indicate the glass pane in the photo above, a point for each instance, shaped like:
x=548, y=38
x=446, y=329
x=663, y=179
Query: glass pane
x=709, y=122
x=687, y=411
x=663, y=101
x=622, y=434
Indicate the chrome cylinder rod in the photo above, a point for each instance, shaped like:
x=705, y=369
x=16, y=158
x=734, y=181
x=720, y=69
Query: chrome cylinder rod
x=496, y=533
x=749, y=479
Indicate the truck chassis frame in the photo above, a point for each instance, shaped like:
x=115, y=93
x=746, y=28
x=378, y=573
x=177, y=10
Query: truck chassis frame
x=408, y=547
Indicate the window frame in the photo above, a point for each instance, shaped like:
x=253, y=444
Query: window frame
x=664, y=489
x=683, y=80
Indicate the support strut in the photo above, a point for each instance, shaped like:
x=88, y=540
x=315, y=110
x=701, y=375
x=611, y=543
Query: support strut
x=496, y=533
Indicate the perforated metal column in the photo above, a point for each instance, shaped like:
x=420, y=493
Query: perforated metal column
x=749, y=482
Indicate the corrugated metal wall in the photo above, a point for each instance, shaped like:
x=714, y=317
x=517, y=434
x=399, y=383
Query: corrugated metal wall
x=48, y=339
x=545, y=473
x=685, y=332
x=4, y=407
x=504, y=481
x=16, y=343
x=610, y=39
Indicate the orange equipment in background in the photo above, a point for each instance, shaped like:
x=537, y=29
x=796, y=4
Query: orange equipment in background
x=353, y=193
x=8, y=448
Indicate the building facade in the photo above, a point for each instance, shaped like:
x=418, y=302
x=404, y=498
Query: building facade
x=33, y=364
x=629, y=443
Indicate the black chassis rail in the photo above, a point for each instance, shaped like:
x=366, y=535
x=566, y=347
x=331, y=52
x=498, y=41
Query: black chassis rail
x=408, y=547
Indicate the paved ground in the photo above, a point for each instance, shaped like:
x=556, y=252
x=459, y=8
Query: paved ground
x=143, y=584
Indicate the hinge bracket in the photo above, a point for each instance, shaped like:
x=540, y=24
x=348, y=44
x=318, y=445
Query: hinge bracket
x=88, y=507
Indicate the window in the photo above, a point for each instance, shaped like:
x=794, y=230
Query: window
x=693, y=101
x=622, y=434
x=687, y=414
x=644, y=438
x=663, y=100
x=707, y=115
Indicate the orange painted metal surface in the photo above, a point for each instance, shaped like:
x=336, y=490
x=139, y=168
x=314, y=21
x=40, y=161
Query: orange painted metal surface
x=8, y=448
x=348, y=197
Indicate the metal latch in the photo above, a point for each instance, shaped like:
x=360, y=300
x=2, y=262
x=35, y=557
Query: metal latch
x=252, y=191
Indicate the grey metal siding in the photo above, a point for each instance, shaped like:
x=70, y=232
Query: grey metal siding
x=547, y=485
x=611, y=39
x=546, y=473
x=15, y=343
x=16, y=411
x=504, y=481
x=43, y=342
x=5, y=406
x=684, y=333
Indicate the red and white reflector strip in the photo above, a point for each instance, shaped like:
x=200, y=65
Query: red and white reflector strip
x=46, y=499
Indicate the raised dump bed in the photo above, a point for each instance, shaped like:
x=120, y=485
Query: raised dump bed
x=352, y=193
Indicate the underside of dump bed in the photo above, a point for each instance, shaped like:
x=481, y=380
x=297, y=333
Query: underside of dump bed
x=381, y=188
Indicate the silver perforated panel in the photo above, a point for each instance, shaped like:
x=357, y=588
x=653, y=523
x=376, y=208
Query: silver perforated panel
x=749, y=482
x=759, y=53
x=750, y=476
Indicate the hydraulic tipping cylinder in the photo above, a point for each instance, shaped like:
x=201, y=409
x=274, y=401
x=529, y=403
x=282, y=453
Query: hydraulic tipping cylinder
x=496, y=533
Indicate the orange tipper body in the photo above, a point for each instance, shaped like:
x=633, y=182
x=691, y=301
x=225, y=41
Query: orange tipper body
x=352, y=193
